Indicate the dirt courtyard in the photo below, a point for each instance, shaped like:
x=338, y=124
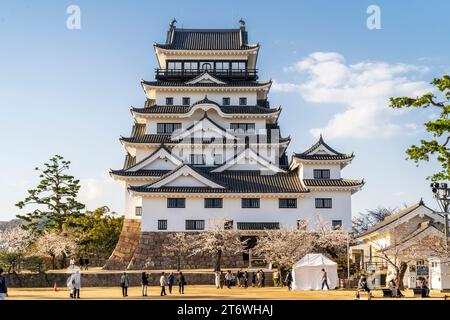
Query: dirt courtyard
x=205, y=292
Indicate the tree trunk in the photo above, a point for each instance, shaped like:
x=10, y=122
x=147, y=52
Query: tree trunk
x=62, y=263
x=218, y=260
x=53, y=261
x=401, y=275
x=179, y=262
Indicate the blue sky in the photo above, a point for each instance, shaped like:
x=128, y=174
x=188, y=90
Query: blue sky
x=68, y=92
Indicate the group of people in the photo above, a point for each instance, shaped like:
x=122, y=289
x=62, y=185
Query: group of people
x=239, y=279
x=83, y=263
x=164, y=280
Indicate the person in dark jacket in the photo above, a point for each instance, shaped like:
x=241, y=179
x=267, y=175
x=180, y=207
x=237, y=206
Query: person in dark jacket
x=181, y=282
x=124, y=283
x=3, y=288
x=170, y=281
x=144, y=282
x=253, y=279
x=245, y=278
x=288, y=280
x=262, y=279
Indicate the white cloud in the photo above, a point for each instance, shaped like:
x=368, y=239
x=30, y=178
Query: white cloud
x=101, y=191
x=363, y=88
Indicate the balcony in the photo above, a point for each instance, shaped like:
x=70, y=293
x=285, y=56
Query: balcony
x=186, y=74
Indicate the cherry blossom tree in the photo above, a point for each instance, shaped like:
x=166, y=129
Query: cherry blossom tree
x=179, y=244
x=14, y=244
x=218, y=241
x=330, y=240
x=52, y=245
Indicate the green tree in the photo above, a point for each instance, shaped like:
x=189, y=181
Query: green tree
x=439, y=128
x=54, y=198
x=97, y=232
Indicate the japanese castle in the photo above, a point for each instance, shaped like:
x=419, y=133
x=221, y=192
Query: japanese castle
x=206, y=147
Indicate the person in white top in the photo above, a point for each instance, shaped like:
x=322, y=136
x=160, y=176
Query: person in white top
x=162, y=282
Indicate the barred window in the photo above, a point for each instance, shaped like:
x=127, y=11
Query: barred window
x=186, y=101
x=195, y=224
x=228, y=225
x=138, y=211
x=336, y=224
x=162, y=224
x=213, y=202
x=323, y=203
x=287, y=203
x=250, y=203
x=167, y=127
x=242, y=127
x=226, y=101
x=242, y=101
x=197, y=159
x=169, y=101
x=176, y=203
x=321, y=173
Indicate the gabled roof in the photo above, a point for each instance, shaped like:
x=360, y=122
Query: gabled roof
x=201, y=124
x=246, y=182
x=395, y=217
x=205, y=77
x=322, y=151
x=206, y=39
x=248, y=153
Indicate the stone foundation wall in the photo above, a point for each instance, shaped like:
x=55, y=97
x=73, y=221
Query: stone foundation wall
x=149, y=255
x=31, y=280
x=126, y=246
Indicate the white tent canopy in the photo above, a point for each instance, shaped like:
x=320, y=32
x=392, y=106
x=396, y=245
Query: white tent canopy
x=307, y=272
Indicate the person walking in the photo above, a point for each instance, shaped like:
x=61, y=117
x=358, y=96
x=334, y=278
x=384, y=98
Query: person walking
x=3, y=288
x=181, y=282
x=170, y=281
x=228, y=279
x=217, y=275
x=325, y=279
x=245, y=278
x=124, y=283
x=262, y=279
x=276, y=278
x=288, y=280
x=253, y=279
x=162, y=283
x=239, y=275
x=144, y=282
x=222, y=279
x=86, y=263
x=77, y=284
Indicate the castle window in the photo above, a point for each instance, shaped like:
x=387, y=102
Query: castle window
x=190, y=66
x=197, y=159
x=176, y=203
x=174, y=65
x=186, y=101
x=228, y=225
x=138, y=211
x=336, y=224
x=162, y=224
x=205, y=66
x=213, y=202
x=242, y=127
x=323, y=203
x=167, y=127
x=243, y=101
x=169, y=101
x=238, y=66
x=250, y=203
x=321, y=173
x=287, y=203
x=222, y=67
x=195, y=224
x=226, y=101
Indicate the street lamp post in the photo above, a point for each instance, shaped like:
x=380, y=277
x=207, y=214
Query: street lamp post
x=441, y=193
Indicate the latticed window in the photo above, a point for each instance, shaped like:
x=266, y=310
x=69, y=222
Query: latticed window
x=186, y=101
x=336, y=224
x=250, y=203
x=195, y=224
x=226, y=101
x=176, y=203
x=258, y=225
x=138, y=211
x=167, y=127
x=213, y=203
x=162, y=224
x=323, y=203
x=321, y=173
x=287, y=203
x=242, y=127
x=242, y=101
x=169, y=101
x=197, y=159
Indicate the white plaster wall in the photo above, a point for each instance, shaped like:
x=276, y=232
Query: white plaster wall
x=308, y=170
x=155, y=209
x=130, y=204
x=177, y=96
